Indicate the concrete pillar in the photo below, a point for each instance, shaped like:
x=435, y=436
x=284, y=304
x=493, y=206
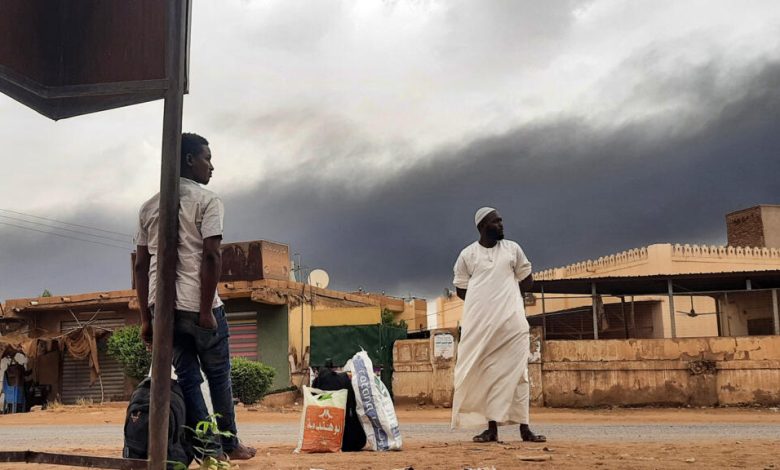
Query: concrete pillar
x=595, y=311
x=775, y=312
x=672, y=313
x=544, y=316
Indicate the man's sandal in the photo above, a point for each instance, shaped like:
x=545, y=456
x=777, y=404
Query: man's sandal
x=531, y=437
x=485, y=436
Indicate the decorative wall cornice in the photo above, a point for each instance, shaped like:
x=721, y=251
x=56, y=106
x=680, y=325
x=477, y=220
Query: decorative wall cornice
x=676, y=252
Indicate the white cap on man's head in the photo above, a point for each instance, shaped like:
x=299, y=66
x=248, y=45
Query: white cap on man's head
x=482, y=212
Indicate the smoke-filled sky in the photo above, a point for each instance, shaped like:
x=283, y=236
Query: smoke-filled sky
x=366, y=133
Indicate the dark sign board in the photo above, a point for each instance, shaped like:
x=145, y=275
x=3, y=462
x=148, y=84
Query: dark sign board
x=65, y=58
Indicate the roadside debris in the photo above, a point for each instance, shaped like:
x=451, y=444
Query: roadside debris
x=534, y=458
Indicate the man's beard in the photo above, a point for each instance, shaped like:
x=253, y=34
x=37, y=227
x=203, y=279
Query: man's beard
x=495, y=235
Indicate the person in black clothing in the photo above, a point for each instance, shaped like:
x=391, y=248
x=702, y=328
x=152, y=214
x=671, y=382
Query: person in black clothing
x=329, y=379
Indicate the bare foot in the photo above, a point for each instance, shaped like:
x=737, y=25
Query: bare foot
x=242, y=452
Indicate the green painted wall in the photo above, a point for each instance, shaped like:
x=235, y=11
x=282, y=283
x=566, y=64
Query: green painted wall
x=272, y=336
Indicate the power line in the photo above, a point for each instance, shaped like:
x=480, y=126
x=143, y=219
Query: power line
x=18, y=219
x=65, y=223
x=123, y=248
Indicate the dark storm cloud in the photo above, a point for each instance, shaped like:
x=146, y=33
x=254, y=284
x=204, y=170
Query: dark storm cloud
x=31, y=261
x=568, y=190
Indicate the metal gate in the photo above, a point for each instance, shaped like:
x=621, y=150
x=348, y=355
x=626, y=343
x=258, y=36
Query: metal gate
x=243, y=334
x=110, y=385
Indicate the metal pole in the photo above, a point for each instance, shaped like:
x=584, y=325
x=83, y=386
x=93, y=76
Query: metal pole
x=671, y=307
x=718, y=316
x=303, y=304
x=595, y=311
x=775, y=312
x=168, y=236
x=544, y=316
x=633, y=318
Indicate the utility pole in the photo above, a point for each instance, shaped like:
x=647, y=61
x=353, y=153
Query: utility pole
x=168, y=234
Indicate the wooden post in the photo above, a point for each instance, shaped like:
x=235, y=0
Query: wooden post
x=168, y=235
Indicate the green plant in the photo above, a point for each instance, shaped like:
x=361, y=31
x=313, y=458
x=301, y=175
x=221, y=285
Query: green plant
x=126, y=346
x=208, y=452
x=251, y=379
x=388, y=320
x=81, y=401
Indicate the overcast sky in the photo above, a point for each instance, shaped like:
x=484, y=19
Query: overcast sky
x=366, y=133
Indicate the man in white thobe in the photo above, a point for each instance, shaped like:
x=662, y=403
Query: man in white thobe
x=491, y=372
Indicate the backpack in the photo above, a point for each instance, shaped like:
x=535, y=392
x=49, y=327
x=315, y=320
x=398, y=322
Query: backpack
x=137, y=426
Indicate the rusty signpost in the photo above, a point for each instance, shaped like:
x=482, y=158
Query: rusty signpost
x=65, y=58
x=162, y=347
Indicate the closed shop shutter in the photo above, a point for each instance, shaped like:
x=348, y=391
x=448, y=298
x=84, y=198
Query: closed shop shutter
x=75, y=372
x=243, y=334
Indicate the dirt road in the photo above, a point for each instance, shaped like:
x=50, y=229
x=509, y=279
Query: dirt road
x=639, y=438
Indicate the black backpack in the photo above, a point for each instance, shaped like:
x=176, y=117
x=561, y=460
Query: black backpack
x=137, y=426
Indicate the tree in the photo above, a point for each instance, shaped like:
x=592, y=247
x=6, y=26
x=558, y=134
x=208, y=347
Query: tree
x=388, y=319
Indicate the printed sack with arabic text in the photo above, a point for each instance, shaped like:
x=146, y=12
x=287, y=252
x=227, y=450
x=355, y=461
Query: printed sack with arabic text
x=322, y=420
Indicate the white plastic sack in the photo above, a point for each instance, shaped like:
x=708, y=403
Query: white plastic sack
x=322, y=420
x=374, y=405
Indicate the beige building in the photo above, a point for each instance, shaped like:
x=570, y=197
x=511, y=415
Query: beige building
x=657, y=311
x=718, y=310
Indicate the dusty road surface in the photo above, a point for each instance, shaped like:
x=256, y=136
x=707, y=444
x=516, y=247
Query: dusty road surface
x=610, y=439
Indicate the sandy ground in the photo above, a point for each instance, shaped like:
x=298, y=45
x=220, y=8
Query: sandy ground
x=114, y=413
x=586, y=439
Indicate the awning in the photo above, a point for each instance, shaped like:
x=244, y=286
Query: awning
x=658, y=284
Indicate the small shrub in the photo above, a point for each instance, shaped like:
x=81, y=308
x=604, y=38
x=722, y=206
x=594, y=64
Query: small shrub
x=126, y=346
x=251, y=379
x=208, y=450
x=87, y=402
x=55, y=404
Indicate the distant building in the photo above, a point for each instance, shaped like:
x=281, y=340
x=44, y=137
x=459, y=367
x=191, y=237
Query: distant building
x=735, y=305
x=268, y=315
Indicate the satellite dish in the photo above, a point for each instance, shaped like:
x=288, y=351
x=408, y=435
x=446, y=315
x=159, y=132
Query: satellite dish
x=319, y=278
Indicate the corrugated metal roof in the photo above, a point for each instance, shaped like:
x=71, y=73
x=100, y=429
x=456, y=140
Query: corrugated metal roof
x=658, y=284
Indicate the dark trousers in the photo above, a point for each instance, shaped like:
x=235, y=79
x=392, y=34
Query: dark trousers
x=196, y=348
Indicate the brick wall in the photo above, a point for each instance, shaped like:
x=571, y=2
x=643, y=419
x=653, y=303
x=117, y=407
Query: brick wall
x=745, y=228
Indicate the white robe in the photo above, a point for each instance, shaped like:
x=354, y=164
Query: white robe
x=491, y=372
